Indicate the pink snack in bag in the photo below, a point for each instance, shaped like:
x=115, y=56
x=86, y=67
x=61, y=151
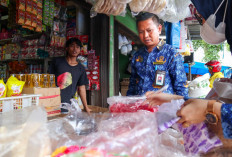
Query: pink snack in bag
x=128, y=104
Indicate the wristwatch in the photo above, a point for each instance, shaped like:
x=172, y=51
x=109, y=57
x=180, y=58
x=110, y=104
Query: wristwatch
x=210, y=116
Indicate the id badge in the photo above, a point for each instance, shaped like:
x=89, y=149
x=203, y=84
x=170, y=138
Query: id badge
x=159, y=79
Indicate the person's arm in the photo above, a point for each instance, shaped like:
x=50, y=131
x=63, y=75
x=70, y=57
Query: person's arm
x=82, y=92
x=178, y=75
x=154, y=99
x=132, y=84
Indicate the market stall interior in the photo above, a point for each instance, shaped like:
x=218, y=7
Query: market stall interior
x=34, y=32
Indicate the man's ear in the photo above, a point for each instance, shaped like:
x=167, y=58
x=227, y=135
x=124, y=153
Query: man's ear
x=160, y=28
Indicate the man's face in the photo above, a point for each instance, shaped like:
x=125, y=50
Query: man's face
x=73, y=50
x=149, y=33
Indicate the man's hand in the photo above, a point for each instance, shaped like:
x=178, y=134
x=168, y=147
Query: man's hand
x=88, y=110
x=192, y=112
x=154, y=99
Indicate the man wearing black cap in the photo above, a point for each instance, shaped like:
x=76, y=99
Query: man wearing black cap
x=70, y=75
x=156, y=64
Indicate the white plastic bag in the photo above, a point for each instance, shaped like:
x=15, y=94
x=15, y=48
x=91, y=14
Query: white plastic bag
x=199, y=87
x=175, y=10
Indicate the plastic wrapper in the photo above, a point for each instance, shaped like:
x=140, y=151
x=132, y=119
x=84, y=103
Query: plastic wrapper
x=133, y=134
x=113, y=7
x=199, y=87
x=172, y=144
x=23, y=133
x=128, y=104
x=197, y=138
x=14, y=86
x=222, y=90
x=152, y=6
x=175, y=11
x=3, y=89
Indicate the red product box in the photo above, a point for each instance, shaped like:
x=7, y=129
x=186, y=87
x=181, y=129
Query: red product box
x=95, y=83
x=95, y=73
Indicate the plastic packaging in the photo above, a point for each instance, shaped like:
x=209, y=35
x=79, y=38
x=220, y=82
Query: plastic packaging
x=175, y=11
x=197, y=138
x=199, y=87
x=3, y=89
x=113, y=7
x=14, y=86
x=120, y=104
x=132, y=134
x=23, y=133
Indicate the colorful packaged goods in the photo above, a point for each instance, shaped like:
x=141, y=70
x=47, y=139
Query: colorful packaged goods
x=3, y=89
x=120, y=104
x=14, y=86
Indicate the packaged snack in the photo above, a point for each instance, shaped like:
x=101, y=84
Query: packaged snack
x=34, y=8
x=28, y=19
x=28, y=6
x=39, y=26
x=56, y=27
x=34, y=21
x=2, y=89
x=62, y=42
x=14, y=86
x=40, y=3
x=21, y=5
x=21, y=17
x=39, y=14
x=120, y=104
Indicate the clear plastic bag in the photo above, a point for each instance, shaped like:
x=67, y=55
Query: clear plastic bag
x=133, y=134
x=128, y=104
x=197, y=138
x=112, y=7
x=175, y=10
x=23, y=133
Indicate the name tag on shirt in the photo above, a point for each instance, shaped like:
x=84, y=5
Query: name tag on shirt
x=159, y=79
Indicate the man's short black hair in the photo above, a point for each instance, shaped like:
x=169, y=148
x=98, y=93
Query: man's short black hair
x=73, y=40
x=144, y=16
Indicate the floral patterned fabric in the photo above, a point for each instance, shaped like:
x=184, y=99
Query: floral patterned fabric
x=144, y=66
x=226, y=118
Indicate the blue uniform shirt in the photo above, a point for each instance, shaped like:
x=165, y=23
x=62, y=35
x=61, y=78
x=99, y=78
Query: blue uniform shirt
x=144, y=66
x=226, y=118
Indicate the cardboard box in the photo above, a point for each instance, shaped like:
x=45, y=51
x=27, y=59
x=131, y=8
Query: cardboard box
x=50, y=98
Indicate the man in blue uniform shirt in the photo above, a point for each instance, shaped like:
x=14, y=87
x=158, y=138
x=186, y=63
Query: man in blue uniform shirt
x=156, y=64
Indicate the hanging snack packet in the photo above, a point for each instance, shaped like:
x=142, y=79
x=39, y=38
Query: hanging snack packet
x=39, y=14
x=40, y=3
x=28, y=19
x=2, y=89
x=21, y=5
x=29, y=6
x=14, y=86
x=34, y=8
x=21, y=17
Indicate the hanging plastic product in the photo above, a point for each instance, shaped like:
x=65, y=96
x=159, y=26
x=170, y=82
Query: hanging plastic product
x=175, y=10
x=112, y=7
x=124, y=50
x=120, y=41
x=211, y=34
x=172, y=33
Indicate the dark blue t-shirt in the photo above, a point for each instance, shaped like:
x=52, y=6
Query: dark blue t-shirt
x=68, y=77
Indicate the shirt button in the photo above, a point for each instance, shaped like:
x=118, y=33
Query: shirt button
x=142, y=90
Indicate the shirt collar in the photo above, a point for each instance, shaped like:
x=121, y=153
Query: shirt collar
x=159, y=47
